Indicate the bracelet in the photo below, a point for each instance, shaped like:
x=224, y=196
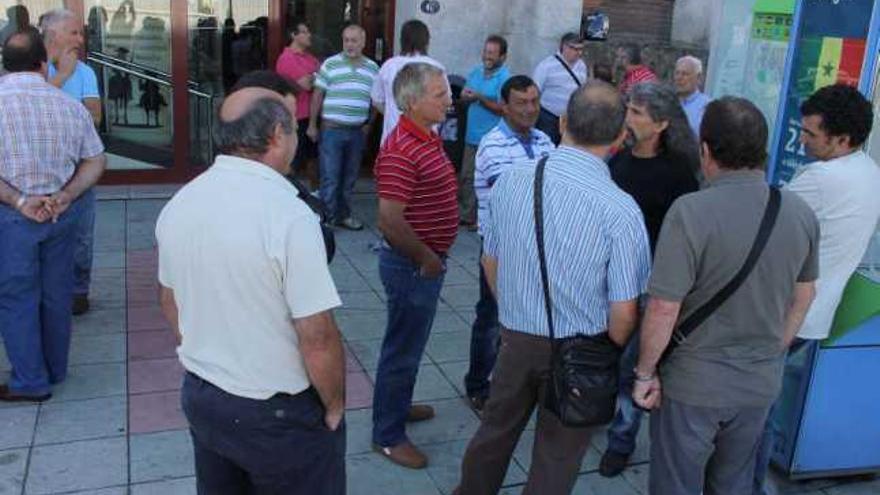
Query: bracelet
x=22, y=199
x=643, y=378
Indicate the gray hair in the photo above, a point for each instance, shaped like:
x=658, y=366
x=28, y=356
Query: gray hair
x=595, y=114
x=696, y=63
x=249, y=134
x=677, y=141
x=410, y=83
x=50, y=21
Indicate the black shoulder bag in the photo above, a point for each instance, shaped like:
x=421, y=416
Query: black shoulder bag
x=317, y=206
x=570, y=72
x=695, y=319
x=584, y=370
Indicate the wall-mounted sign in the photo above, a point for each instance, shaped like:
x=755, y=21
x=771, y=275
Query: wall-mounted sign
x=430, y=6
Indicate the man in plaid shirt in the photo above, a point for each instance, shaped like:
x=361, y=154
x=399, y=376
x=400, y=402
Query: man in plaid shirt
x=51, y=155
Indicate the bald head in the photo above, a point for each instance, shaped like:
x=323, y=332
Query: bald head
x=254, y=123
x=595, y=114
x=354, y=38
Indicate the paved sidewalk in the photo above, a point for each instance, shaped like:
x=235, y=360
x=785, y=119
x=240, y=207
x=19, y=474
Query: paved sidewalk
x=115, y=426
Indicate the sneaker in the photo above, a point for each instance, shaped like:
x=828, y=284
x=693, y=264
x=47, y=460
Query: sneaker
x=404, y=454
x=612, y=463
x=350, y=223
x=477, y=404
x=80, y=304
x=419, y=412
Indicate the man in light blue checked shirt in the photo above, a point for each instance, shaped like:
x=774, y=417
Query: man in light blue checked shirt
x=598, y=263
x=513, y=140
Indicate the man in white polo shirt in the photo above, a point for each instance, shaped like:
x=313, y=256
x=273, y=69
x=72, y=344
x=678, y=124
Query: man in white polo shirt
x=557, y=77
x=244, y=282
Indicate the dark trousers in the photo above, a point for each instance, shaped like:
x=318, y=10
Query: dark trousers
x=484, y=341
x=36, y=296
x=277, y=446
x=549, y=125
x=85, y=245
x=412, y=304
x=305, y=147
x=518, y=385
x=623, y=430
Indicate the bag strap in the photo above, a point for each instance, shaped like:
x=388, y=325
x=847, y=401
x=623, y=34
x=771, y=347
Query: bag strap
x=542, y=258
x=570, y=72
x=681, y=333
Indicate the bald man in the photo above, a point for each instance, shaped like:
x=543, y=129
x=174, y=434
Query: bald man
x=244, y=283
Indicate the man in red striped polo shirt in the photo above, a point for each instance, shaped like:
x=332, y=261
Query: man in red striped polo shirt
x=629, y=57
x=418, y=216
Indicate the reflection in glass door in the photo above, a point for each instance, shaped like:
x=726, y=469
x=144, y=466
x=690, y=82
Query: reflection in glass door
x=129, y=46
x=227, y=38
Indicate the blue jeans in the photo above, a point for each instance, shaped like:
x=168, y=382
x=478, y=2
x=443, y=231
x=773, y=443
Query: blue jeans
x=412, y=304
x=36, y=296
x=767, y=443
x=623, y=430
x=85, y=242
x=273, y=446
x=341, y=150
x=485, y=334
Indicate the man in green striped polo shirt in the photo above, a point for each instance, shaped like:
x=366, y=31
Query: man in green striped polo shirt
x=342, y=96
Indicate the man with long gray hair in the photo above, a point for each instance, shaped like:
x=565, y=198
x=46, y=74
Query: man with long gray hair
x=597, y=266
x=658, y=166
x=418, y=217
x=245, y=285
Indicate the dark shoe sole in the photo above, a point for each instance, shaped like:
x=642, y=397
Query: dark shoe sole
x=8, y=396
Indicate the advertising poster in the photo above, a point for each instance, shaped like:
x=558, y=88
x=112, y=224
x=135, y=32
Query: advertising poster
x=830, y=49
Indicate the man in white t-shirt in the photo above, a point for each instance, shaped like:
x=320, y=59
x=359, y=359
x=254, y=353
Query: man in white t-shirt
x=842, y=189
x=557, y=77
x=244, y=283
x=414, y=40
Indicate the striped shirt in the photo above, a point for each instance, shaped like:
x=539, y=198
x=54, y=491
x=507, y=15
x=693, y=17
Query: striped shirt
x=638, y=74
x=346, y=84
x=413, y=169
x=499, y=149
x=556, y=84
x=595, y=241
x=45, y=134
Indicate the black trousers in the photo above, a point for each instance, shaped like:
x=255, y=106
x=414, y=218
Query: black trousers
x=549, y=125
x=263, y=447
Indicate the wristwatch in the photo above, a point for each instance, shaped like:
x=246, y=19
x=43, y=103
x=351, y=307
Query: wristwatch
x=22, y=199
x=642, y=377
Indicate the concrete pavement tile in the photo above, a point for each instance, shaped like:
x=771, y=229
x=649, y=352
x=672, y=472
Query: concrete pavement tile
x=359, y=431
x=361, y=325
x=141, y=318
x=109, y=255
x=84, y=465
x=444, y=466
x=100, y=322
x=637, y=477
x=142, y=297
x=97, y=349
x=152, y=344
x=91, y=381
x=453, y=421
x=154, y=375
x=183, y=486
x=855, y=487
x=358, y=390
x=60, y=422
x=461, y=296
x=449, y=321
x=371, y=474
x=107, y=295
x=457, y=276
x=154, y=412
x=362, y=300
x=4, y=359
x=13, y=464
x=366, y=352
x=455, y=373
x=449, y=346
x=17, y=426
x=643, y=441
x=119, y=490
x=779, y=484
x=161, y=456
x=523, y=453
x=431, y=384
x=595, y=484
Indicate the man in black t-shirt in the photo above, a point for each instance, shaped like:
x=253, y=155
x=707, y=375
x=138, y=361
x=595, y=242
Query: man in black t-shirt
x=658, y=166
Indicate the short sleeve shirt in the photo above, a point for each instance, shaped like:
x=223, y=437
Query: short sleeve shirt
x=480, y=119
x=294, y=65
x=241, y=271
x=346, y=84
x=556, y=84
x=81, y=84
x=735, y=358
x=413, y=169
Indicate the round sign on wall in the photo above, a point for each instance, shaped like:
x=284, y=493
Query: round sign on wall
x=430, y=6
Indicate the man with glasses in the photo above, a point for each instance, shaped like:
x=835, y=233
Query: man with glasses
x=557, y=77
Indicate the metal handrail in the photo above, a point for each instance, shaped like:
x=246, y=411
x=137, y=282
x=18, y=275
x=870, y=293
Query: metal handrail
x=148, y=77
x=119, y=61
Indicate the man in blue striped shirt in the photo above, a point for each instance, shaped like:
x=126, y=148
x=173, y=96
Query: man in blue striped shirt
x=598, y=263
x=514, y=139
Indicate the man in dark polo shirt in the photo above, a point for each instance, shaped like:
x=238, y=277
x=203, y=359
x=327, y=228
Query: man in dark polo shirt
x=418, y=216
x=719, y=383
x=655, y=170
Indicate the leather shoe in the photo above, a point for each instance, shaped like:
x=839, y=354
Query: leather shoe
x=80, y=304
x=419, y=412
x=612, y=463
x=404, y=454
x=7, y=395
x=477, y=404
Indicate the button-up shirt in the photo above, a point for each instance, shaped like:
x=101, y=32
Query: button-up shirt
x=498, y=151
x=556, y=84
x=45, y=134
x=694, y=107
x=638, y=74
x=594, y=237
